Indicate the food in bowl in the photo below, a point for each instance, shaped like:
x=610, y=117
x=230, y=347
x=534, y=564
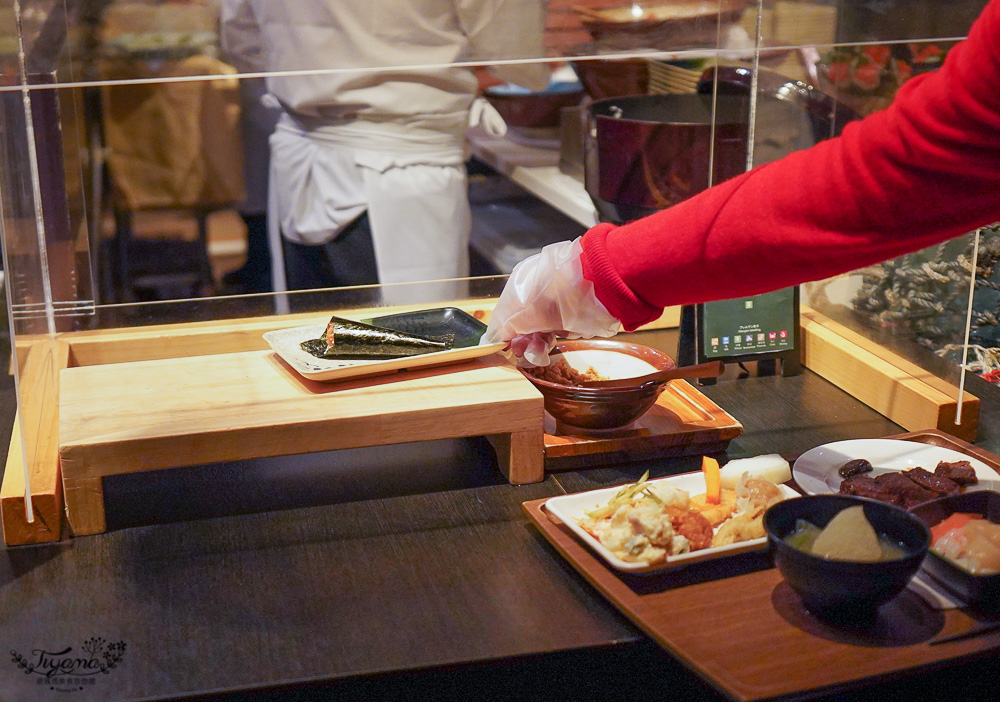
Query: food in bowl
x=562, y=373
x=845, y=587
x=951, y=569
x=848, y=537
x=646, y=523
x=596, y=409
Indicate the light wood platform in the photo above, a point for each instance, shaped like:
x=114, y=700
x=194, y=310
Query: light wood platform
x=147, y=415
x=683, y=422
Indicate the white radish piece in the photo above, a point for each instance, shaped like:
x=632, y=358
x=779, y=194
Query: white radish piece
x=770, y=467
x=849, y=537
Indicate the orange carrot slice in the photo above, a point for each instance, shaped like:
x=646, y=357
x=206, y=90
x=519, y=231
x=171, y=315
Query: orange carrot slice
x=713, y=481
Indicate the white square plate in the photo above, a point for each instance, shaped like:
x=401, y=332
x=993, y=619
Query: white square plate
x=570, y=508
x=285, y=343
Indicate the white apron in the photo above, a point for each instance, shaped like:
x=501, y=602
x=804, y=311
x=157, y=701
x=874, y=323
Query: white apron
x=412, y=183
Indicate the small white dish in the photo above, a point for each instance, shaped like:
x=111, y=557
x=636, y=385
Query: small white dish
x=815, y=471
x=570, y=508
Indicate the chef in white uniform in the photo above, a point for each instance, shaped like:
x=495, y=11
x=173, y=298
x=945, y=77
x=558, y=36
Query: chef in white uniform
x=389, y=141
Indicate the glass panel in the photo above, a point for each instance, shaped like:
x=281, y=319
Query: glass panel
x=917, y=304
x=136, y=139
x=905, y=20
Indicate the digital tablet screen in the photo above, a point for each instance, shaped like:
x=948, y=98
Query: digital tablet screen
x=749, y=326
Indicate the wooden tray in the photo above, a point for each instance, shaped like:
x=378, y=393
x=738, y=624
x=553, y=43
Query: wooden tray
x=737, y=624
x=683, y=422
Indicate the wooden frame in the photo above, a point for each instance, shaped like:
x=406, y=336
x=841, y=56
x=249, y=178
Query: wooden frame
x=907, y=394
x=38, y=412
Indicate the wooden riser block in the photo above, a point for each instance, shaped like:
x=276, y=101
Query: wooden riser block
x=148, y=415
x=39, y=412
x=46, y=500
x=908, y=395
x=683, y=422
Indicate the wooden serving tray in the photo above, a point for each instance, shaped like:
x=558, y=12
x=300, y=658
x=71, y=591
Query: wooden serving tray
x=683, y=422
x=737, y=624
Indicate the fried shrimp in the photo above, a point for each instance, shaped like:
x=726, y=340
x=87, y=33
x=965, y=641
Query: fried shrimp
x=755, y=495
x=691, y=525
x=742, y=527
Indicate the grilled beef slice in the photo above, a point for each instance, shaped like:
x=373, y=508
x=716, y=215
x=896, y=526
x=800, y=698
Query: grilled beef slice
x=960, y=472
x=863, y=486
x=909, y=492
x=934, y=483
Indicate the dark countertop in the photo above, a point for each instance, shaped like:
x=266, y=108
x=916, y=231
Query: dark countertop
x=398, y=573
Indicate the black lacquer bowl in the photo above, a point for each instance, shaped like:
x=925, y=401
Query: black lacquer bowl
x=837, y=587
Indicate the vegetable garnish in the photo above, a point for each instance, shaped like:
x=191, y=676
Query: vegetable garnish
x=713, y=481
x=625, y=496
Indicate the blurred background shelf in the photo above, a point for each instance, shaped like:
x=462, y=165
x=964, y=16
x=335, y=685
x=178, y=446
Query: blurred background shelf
x=536, y=169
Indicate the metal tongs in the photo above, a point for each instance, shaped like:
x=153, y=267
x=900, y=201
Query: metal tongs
x=712, y=369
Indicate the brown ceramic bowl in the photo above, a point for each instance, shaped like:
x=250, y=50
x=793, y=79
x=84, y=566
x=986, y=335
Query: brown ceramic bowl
x=608, y=78
x=670, y=25
x=602, y=409
x=533, y=109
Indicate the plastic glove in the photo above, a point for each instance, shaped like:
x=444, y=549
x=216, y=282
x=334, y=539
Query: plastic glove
x=484, y=115
x=547, y=296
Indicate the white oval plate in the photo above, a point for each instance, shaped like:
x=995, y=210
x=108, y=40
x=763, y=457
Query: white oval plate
x=815, y=471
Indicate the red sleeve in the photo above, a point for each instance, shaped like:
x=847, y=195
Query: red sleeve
x=924, y=170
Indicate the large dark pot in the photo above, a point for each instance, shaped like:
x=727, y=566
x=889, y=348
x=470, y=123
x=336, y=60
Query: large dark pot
x=827, y=116
x=648, y=152
x=644, y=153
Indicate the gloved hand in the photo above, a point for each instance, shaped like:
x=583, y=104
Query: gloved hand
x=547, y=296
x=483, y=114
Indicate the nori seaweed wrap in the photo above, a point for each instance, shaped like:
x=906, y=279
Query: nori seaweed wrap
x=350, y=340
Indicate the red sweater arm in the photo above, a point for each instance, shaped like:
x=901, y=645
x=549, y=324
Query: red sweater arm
x=924, y=170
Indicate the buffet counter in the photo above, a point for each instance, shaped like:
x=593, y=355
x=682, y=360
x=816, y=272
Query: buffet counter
x=396, y=572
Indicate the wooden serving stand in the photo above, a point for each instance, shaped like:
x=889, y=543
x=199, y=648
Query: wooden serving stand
x=103, y=402
x=147, y=415
x=683, y=422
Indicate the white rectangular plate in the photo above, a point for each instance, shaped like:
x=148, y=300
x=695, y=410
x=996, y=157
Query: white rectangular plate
x=285, y=343
x=570, y=508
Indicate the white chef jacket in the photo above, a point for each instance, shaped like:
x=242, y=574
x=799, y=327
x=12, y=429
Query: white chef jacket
x=390, y=140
